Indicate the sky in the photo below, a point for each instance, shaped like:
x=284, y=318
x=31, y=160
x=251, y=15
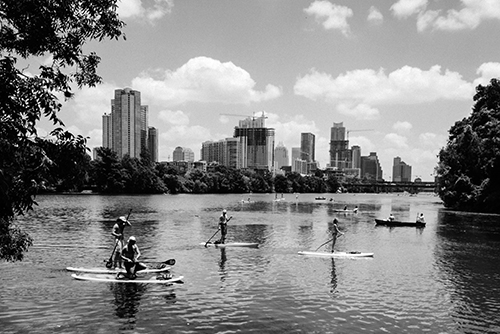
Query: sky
x=397, y=73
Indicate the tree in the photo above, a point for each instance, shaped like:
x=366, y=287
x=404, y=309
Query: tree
x=468, y=171
x=55, y=30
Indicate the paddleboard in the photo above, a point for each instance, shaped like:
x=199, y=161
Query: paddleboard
x=113, y=279
x=114, y=271
x=232, y=244
x=337, y=254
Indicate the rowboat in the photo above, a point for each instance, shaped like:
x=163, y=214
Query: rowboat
x=114, y=271
x=387, y=222
x=337, y=254
x=232, y=244
x=112, y=279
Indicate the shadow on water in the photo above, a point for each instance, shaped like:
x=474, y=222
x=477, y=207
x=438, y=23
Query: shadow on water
x=466, y=256
x=127, y=298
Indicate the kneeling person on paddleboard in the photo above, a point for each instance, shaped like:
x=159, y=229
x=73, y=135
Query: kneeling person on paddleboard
x=130, y=254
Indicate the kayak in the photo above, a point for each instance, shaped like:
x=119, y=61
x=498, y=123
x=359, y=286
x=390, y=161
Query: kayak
x=345, y=211
x=113, y=279
x=114, y=271
x=337, y=254
x=398, y=223
x=232, y=244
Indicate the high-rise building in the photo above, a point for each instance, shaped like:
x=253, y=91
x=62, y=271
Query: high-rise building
x=307, y=146
x=281, y=156
x=107, y=131
x=401, y=172
x=340, y=154
x=370, y=167
x=183, y=154
x=356, y=156
x=153, y=143
x=128, y=131
x=256, y=143
x=226, y=152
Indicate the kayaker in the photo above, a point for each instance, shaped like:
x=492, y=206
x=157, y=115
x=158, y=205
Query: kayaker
x=223, y=226
x=130, y=255
x=355, y=210
x=391, y=218
x=420, y=218
x=117, y=232
x=335, y=232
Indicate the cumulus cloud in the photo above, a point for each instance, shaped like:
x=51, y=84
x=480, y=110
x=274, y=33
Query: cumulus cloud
x=204, y=79
x=395, y=140
x=406, y=8
x=375, y=16
x=331, y=16
x=150, y=10
x=288, y=130
x=429, y=139
x=486, y=72
x=90, y=103
x=407, y=85
x=402, y=127
x=360, y=111
x=177, y=117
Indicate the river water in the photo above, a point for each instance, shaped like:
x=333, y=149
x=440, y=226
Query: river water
x=444, y=278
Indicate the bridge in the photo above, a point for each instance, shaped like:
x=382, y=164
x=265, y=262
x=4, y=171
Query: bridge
x=386, y=186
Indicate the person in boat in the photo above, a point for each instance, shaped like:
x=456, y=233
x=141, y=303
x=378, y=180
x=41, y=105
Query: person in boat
x=345, y=208
x=355, y=210
x=335, y=233
x=391, y=217
x=420, y=218
x=117, y=232
x=223, y=226
x=130, y=255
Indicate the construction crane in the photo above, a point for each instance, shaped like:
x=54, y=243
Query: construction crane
x=356, y=131
x=247, y=116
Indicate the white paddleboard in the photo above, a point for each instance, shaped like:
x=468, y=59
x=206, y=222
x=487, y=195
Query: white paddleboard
x=232, y=244
x=114, y=271
x=113, y=279
x=336, y=254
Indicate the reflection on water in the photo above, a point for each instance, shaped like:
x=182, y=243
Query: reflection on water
x=439, y=279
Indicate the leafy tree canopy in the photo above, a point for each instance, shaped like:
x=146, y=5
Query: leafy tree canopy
x=468, y=171
x=54, y=30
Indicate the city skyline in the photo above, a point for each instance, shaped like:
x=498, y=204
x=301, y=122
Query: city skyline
x=407, y=70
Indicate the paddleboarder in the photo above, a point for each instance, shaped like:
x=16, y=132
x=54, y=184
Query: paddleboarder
x=130, y=255
x=223, y=226
x=335, y=232
x=117, y=232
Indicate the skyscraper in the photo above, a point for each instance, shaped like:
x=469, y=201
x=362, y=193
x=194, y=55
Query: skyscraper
x=257, y=144
x=307, y=146
x=281, y=156
x=183, y=154
x=340, y=155
x=370, y=167
x=401, y=172
x=153, y=143
x=107, y=131
x=129, y=123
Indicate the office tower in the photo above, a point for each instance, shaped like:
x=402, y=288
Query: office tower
x=370, y=167
x=183, y=154
x=356, y=156
x=307, y=147
x=128, y=118
x=281, y=156
x=225, y=152
x=340, y=155
x=144, y=114
x=107, y=131
x=256, y=143
x=401, y=172
x=153, y=143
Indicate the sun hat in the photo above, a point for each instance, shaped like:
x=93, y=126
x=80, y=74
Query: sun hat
x=132, y=238
x=124, y=220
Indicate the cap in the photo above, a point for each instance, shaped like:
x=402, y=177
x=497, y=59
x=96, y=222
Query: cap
x=132, y=238
x=224, y=211
x=124, y=220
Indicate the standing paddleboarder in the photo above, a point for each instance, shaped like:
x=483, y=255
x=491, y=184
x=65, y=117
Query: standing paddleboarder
x=223, y=226
x=117, y=232
x=335, y=232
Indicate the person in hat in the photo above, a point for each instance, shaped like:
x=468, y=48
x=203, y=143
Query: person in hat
x=223, y=226
x=130, y=255
x=117, y=232
x=335, y=233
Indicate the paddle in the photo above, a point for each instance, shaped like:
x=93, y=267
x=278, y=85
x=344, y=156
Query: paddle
x=328, y=242
x=206, y=243
x=109, y=263
x=160, y=265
